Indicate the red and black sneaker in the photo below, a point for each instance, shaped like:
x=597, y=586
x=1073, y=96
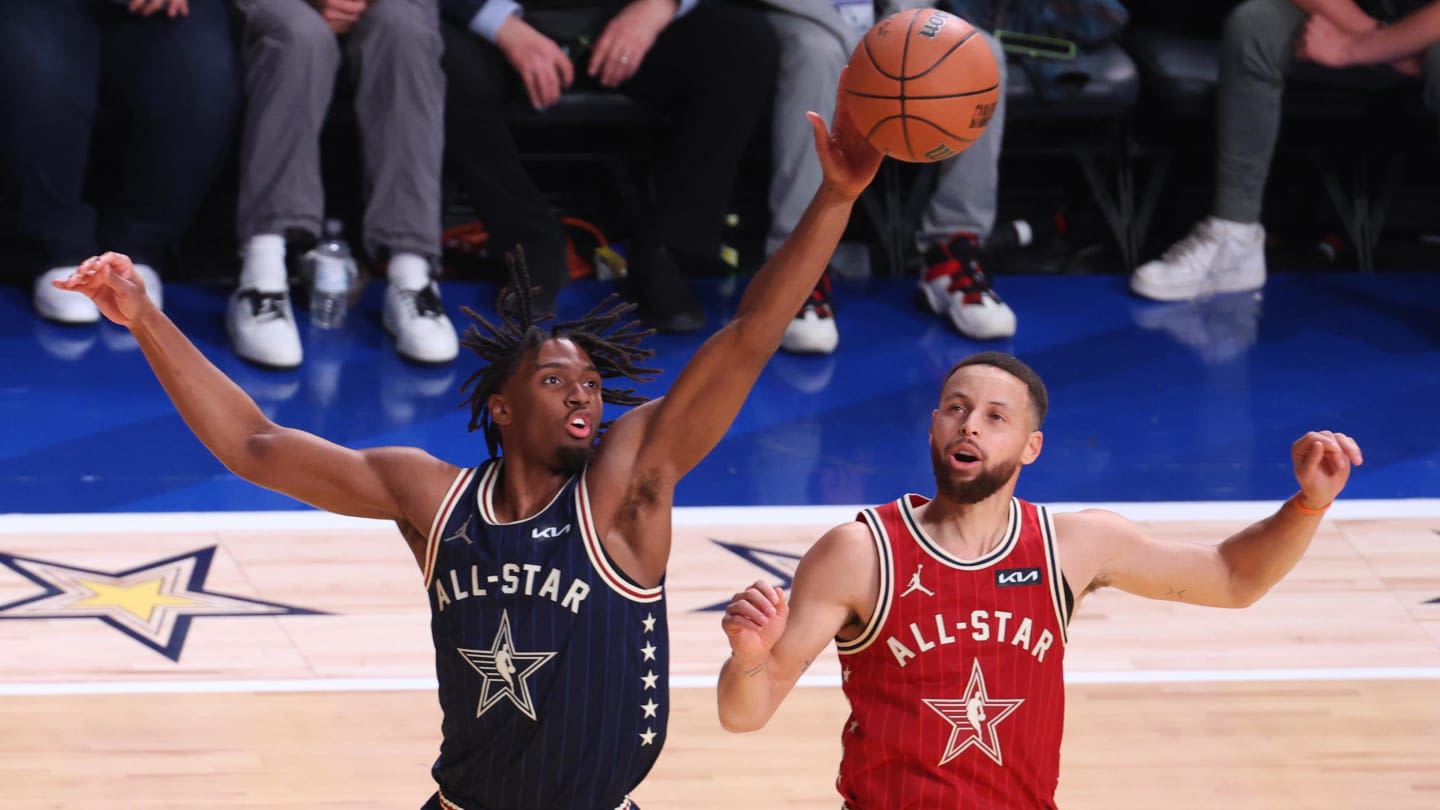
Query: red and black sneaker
x=955, y=284
x=813, y=331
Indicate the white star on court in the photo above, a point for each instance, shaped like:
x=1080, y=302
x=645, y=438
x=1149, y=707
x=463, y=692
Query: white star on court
x=973, y=719
x=650, y=706
x=649, y=678
x=505, y=670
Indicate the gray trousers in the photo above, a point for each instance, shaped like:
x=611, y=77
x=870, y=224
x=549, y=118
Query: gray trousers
x=291, y=60
x=811, y=57
x=1257, y=53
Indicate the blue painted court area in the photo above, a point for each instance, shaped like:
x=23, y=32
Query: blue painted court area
x=1149, y=402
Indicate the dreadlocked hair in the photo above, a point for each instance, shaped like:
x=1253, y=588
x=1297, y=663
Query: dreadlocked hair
x=612, y=341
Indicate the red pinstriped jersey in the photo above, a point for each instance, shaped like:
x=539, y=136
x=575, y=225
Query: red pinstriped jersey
x=955, y=685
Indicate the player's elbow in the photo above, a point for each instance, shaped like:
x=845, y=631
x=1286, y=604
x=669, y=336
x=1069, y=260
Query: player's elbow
x=739, y=724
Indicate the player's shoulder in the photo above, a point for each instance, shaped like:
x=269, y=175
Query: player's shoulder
x=846, y=544
x=1091, y=525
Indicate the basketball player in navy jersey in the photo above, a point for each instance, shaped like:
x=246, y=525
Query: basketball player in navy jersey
x=950, y=613
x=544, y=566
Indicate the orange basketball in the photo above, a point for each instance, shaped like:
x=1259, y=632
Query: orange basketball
x=922, y=85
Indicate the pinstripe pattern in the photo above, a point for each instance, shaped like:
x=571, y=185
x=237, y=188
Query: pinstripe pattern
x=958, y=701
x=553, y=683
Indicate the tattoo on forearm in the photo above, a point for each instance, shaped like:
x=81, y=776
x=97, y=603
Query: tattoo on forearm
x=1176, y=594
x=755, y=670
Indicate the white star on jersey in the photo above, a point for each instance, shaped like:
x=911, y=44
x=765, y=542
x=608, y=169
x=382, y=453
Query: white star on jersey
x=649, y=622
x=973, y=719
x=650, y=706
x=505, y=670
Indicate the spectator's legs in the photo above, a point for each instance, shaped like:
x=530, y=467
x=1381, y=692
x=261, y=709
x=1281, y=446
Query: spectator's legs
x=713, y=70
x=811, y=56
x=1256, y=49
x=179, y=83
x=400, y=102
x=486, y=161
x=291, y=57
x=399, y=99
x=49, y=92
x=967, y=187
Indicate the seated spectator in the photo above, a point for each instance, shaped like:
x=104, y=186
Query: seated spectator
x=292, y=53
x=68, y=67
x=1260, y=41
x=817, y=38
x=708, y=67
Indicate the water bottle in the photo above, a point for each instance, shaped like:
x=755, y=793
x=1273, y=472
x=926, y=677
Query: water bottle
x=332, y=274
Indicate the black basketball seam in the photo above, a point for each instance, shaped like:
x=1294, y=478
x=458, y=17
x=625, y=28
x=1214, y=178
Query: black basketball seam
x=905, y=60
x=876, y=63
x=923, y=98
x=942, y=57
x=947, y=132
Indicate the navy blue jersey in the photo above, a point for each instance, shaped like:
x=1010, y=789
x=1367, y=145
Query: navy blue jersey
x=553, y=666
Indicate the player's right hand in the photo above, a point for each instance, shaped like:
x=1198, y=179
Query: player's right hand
x=542, y=64
x=754, y=620
x=111, y=282
x=849, y=162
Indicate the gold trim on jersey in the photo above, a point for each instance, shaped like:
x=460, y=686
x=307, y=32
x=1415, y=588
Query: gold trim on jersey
x=1057, y=576
x=881, y=611
x=617, y=581
x=1011, y=539
x=442, y=516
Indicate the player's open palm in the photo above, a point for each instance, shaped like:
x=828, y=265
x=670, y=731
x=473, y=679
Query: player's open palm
x=1322, y=465
x=847, y=159
x=755, y=620
x=111, y=282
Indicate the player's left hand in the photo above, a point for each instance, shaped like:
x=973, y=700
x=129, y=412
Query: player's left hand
x=1325, y=43
x=1322, y=465
x=626, y=39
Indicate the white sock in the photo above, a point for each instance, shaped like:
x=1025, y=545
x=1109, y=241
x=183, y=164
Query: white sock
x=407, y=271
x=263, y=267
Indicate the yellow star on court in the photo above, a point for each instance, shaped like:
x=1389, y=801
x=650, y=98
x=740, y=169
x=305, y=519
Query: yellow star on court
x=140, y=598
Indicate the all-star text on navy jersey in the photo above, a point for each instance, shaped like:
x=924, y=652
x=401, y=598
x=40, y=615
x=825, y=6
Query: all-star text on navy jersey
x=552, y=664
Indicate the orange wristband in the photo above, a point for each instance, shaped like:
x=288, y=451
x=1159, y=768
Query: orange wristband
x=1305, y=510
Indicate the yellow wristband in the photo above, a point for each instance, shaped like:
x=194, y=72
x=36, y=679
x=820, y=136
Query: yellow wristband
x=1305, y=510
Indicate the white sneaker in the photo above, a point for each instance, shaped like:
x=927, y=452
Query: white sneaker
x=262, y=329
x=1219, y=256
x=956, y=284
x=62, y=306
x=416, y=318
x=813, y=331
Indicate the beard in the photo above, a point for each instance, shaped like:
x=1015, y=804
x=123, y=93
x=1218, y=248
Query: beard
x=977, y=489
x=573, y=459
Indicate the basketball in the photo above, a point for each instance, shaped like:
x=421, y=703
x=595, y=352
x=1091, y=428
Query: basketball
x=922, y=85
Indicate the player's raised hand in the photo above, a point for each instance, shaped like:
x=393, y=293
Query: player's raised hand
x=1322, y=465
x=754, y=620
x=847, y=159
x=111, y=282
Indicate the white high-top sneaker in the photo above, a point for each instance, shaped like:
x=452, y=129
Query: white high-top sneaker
x=416, y=318
x=259, y=319
x=1218, y=256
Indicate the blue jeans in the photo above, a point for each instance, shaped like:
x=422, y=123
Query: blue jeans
x=153, y=101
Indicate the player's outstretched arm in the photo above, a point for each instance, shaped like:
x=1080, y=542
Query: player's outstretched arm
x=773, y=640
x=1109, y=550
x=371, y=483
x=698, y=409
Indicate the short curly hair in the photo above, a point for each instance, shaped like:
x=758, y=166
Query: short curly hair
x=612, y=341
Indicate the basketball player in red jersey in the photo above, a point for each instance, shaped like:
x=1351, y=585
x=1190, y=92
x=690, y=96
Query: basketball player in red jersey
x=949, y=613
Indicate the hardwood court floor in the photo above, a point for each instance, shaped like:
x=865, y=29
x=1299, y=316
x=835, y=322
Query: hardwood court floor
x=1324, y=695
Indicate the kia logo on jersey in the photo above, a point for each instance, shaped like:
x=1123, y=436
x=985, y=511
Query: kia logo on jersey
x=1016, y=577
